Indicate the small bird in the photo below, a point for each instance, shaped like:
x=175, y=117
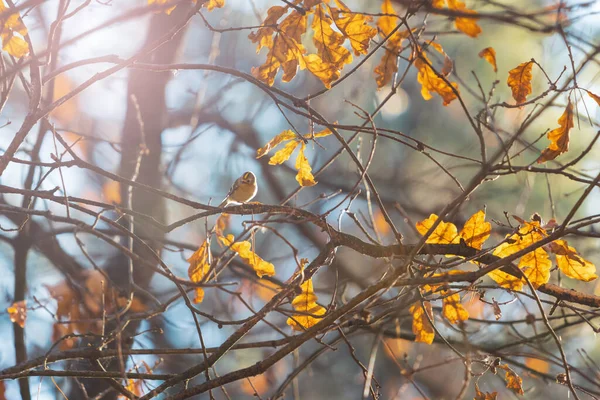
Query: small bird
x=243, y=190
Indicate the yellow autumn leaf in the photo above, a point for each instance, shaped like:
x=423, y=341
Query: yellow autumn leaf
x=519, y=81
x=304, y=176
x=476, y=231
x=263, y=35
x=431, y=82
x=306, y=303
x=489, y=55
x=571, y=264
x=453, y=310
x=559, y=137
x=444, y=233
x=323, y=133
x=11, y=24
x=329, y=43
x=243, y=249
x=353, y=26
x=327, y=72
x=282, y=137
x=506, y=281
x=284, y=154
x=513, y=381
x=536, y=266
x=388, y=65
x=17, y=313
x=466, y=25
x=421, y=326
x=199, y=267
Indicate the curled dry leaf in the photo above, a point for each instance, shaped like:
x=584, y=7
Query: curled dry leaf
x=489, y=55
x=559, y=137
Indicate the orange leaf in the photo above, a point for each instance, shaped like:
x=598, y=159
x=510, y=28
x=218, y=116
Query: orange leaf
x=537, y=364
x=306, y=302
x=444, y=233
x=476, y=231
x=421, y=326
x=304, y=176
x=479, y=395
x=112, y=192
x=519, y=80
x=199, y=267
x=595, y=97
x=260, y=266
x=571, y=264
x=513, y=381
x=559, y=137
x=18, y=313
x=536, y=266
x=453, y=310
x=354, y=27
x=431, y=82
x=489, y=55
x=466, y=25
x=388, y=65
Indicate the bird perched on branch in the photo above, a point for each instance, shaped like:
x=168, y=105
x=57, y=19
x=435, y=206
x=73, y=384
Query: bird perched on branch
x=243, y=190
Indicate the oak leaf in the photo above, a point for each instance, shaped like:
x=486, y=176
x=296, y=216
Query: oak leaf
x=519, y=81
x=489, y=55
x=464, y=24
x=353, y=26
x=431, y=82
x=306, y=303
x=388, y=65
x=421, y=326
x=304, y=176
x=244, y=250
x=559, y=137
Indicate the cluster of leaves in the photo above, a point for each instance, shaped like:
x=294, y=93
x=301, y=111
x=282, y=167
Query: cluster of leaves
x=304, y=176
x=79, y=310
x=332, y=27
x=534, y=265
x=201, y=259
x=12, y=25
x=513, y=382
